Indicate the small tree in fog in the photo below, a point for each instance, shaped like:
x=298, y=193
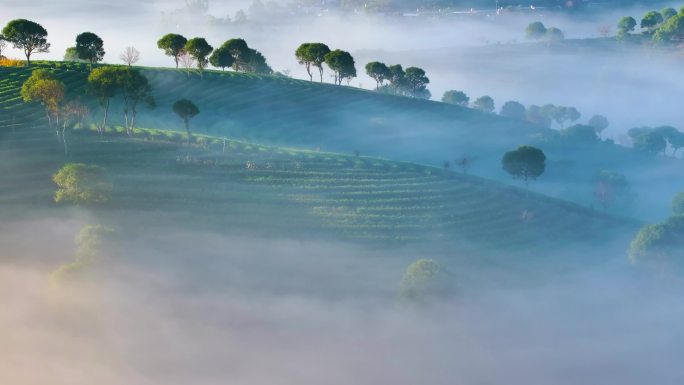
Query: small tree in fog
x=82, y=184
x=526, y=163
x=186, y=110
x=135, y=88
x=651, y=142
x=609, y=187
x=599, y=122
x=659, y=245
x=379, y=72
x=90, y=47
x=423, y=280
x=554, y=35
x=173, y=45
x=484, y=103
x=651, y=21
x=104, y=84
x=514, y=110
x=458, y=98
x=535, y=31
x=130, y=56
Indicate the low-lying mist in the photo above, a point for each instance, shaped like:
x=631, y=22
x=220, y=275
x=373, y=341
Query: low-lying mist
x=206, y=308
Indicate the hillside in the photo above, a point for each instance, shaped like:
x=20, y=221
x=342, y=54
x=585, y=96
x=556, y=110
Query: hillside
x=239, y=187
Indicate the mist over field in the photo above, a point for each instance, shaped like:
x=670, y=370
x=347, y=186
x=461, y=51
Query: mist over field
x=253, y=227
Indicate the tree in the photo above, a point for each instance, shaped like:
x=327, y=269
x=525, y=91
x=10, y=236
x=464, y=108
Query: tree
x=379, y=72
x=71, y=55
x=609, y=187
x=676, y=140
x=526, y=163
x=130, y=56
x=397, y=79
x=458, y=98
x=625, y=26
x=256, y=62
x=186, y=110
x=187, y=62
x=554, y=35
x=484, y=103
x=423, y=280
x=239, y=51
x=303, y=57
x=43, y=88
x=651, y=142
x=104, y=83
x=599, y=122
x=82, y=184
x=134, y=88
x=535, y=31
x=199, y=49
x=221, y=58
x=651, y=21
x=514, y=110
x=317, y=52
x=416, y=82
x=90, y=47
x=672, y=31
x=678, y=204
x=659, y=244
x=173, y=45
x=536, y=115
x=342, y=64
x=28, y=36
x=668, y=13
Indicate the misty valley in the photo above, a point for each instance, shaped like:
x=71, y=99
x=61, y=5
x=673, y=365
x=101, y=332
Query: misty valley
x=338, y=191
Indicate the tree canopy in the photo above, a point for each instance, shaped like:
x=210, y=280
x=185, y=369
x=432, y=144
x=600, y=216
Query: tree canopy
x=186, y=110
x=535, y=31
x=514, y=110
x=484, y=103
x=599, y=122
x=26, y=35
x=379, y=72
x=173, y=45
x=199, y=49
x=342, y=64
x=423, y=280
x=659, y=244
x=416, y=83
x=221, y=58
x=43, y=88
x=458, y=98
x=526, y=163
x=82, y=184
x=90, y=47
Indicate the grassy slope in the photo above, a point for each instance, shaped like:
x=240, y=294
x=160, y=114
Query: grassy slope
x=251, y=187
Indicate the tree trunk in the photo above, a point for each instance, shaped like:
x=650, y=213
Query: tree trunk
x=106, y=115
x=308, y=71
x=320, y=70
x=187, y=128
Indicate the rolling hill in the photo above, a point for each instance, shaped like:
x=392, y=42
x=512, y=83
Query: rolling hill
x=240, y=187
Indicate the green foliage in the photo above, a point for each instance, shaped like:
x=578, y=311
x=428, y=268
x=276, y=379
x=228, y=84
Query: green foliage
x=82, y=184
x=514, y=110
x=659, y=244
x=458, y=98
x=668, y=13
x=672, y=31
x=599, y=122
x=104, y=83
x=90, y=47
x=256, y=63
x=484, y=103
x=185, y=110
x=239, y=51
x=678, y=204
x=70, y=55
x=43, y=88
x=221, y=58
x=173, y=45
x=580, y=134
x=91, y=247
x=26, y=35
x=416, y=83
x=651, y=142
x=625, y=26
x=342, y=64
x=651, y=21
x=379, y=72
x=526, y=163
x=199, y=49
x=423, y=280
x=535, y=31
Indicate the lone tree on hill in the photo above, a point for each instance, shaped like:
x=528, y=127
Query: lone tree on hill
x=342, y=64
x=379, y=72
x=28, y=36
x=526, y=163
x=186, y=110
x=199, y=49
x=535, y=31
x=90, y=47
x=302, y=55
x=599, y=122
x=221, y=58
x=458, y=98
x=173, y=45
